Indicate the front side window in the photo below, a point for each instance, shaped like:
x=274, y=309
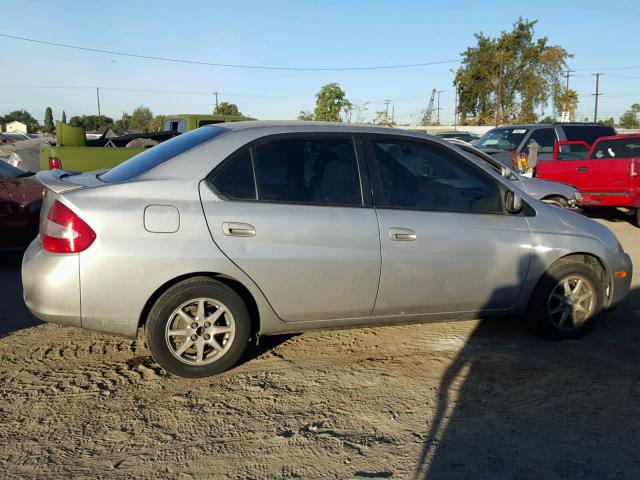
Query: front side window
x=307, y=170
x=415, y=175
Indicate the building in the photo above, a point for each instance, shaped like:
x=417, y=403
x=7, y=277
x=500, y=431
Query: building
x=16, y=127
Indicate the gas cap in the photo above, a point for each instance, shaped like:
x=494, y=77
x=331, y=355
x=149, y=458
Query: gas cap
x=161, y=219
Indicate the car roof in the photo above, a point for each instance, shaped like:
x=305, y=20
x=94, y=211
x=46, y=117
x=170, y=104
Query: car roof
x=553, y=124
x=283, y=126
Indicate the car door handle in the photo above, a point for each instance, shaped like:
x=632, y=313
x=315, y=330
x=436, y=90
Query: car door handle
x=233, y=229
x=582, y=169
x=402, y=234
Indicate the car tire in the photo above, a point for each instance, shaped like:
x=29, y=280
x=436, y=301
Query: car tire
x=557, y=201
x=636, y=217
x=560, y=307
x=198, y=328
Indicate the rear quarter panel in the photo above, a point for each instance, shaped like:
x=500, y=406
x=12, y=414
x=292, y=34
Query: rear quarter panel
x=127, y=264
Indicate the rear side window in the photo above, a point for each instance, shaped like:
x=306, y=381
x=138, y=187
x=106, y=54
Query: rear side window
x=617, y=148
x=545, y=138
x=235, y=179
x=314, y=171
x=587, y=133
x=154, y=156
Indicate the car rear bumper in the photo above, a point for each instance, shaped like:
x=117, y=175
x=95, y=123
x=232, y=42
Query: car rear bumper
x=51, y=285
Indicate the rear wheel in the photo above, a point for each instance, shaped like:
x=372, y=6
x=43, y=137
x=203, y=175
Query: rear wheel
x=198, y=328
x=636, y=217
x=557, y=201
x=566, y=302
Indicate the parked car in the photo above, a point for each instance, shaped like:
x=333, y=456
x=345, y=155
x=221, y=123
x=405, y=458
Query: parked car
x=257, y=228
x=553, y=193
x=506, y=144
x=20, y=202
x=12, y=138
x=458, y=135
x=607, y=175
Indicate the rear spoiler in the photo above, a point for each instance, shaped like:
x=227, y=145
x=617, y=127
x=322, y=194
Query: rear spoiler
x=59, y=181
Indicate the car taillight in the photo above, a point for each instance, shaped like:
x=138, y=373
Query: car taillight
x=634, y=167
x=55, y=163
x=65, y=231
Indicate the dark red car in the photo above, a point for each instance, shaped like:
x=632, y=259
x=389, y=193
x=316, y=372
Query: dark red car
x=20, y=202
x=606, y=174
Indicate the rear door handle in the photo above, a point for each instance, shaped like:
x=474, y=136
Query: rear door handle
x=582, y=169
x=233, y=229
x=402, y=234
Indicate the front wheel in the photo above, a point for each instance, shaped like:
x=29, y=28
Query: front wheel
x=197, y=328
x=566, y=302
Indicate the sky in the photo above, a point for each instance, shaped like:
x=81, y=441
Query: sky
x=325, y=34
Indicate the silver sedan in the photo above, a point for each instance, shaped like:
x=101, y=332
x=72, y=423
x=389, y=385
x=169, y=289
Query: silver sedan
x=234, y=231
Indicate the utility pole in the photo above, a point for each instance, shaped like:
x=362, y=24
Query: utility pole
x=455, y=111
x=99, y=115
x=565, y=105
x=393, y=112
x=597, y=94
x=499, y=94
x=438, y=107
x=216, y=94
x=455, y=105
x=386, y=110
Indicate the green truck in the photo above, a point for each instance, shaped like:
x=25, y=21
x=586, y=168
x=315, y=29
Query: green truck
x=72, y=151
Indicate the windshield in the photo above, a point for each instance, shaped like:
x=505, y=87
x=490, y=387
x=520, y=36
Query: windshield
x=151, y=158
x=506, y=139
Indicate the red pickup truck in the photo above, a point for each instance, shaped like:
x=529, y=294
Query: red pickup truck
x=607, y=174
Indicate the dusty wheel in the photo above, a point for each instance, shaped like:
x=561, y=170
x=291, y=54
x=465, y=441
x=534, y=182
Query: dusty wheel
x=566, y=302
x=198, y=328
x=557, y=201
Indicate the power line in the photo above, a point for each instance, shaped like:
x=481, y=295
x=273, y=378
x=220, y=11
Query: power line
x=227, y=65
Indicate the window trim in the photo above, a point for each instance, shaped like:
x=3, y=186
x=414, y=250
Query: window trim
x=366, y=195
x=377, y=185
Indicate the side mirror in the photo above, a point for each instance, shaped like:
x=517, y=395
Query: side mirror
x=506, y=172
x=512, y=202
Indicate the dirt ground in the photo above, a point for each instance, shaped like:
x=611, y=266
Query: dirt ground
x=473, y=399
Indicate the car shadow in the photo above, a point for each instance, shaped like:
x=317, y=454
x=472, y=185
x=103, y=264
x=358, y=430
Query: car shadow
x=14, y=314
x=610, y=214
x=511, y=405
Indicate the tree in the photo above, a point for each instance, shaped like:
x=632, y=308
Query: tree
x=330, y=101
x=48, y=121
x=630, y=118
x=157, y=124
x=140, y=119
x=92, y=122
x=509, y=77
x=226, y=108
x=24, y=117
x=122, y=125
x=64, y=117
x=567, y=101
x=305, y=115
x=608, y=121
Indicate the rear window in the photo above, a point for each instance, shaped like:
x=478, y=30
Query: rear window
x=151, y=158
x=587, y=133
x=617, y=148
